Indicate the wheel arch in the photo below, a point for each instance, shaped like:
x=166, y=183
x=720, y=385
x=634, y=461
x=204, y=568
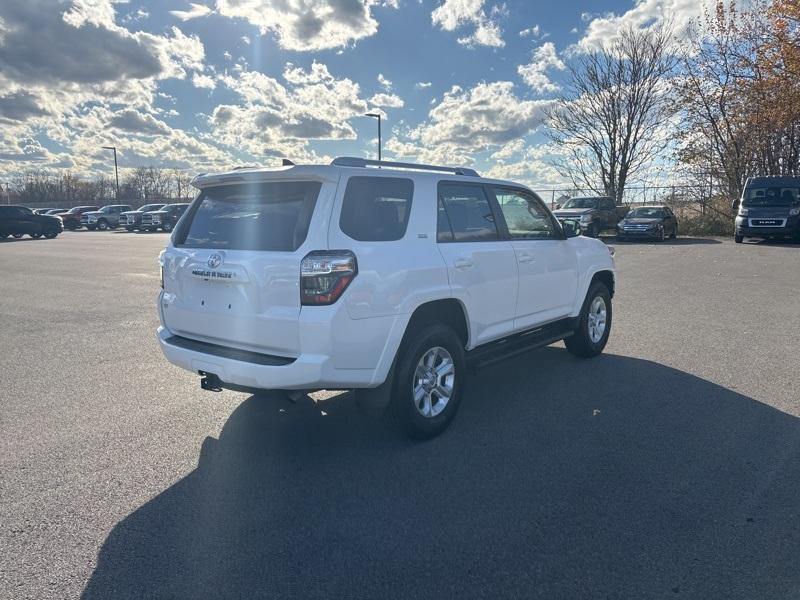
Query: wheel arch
x=450, y=311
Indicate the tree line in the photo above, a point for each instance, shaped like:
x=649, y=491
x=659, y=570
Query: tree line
x=715, y=105
x=39, y=186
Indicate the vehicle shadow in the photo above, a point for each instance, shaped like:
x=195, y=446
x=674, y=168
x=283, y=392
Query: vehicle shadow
x=560, y=478
x=679, y=241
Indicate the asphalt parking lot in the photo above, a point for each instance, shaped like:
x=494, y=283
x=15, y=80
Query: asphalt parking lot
x=668, y=467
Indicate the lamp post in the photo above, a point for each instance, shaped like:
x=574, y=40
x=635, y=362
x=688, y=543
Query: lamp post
x=377, y=116
x=116, y=170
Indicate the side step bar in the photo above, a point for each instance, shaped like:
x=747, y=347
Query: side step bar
x=493, y=352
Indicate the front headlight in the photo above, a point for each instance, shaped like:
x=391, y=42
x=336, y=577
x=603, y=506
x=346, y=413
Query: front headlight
x=92, y=219
x=743, y=212
x=586, y=218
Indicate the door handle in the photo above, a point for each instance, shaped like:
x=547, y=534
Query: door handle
x=526, y=258
x=463, y=263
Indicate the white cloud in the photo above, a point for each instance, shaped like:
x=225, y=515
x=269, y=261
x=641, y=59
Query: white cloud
x=385, y=83
x=203, y=81
x=534, y=74
x=195, y=11
x=387, y=101
x=533, y=32
x=421, y=85
x=465, y=122
x=456, y=14
x=646, y=13
x=307, y=25
x=280, y=119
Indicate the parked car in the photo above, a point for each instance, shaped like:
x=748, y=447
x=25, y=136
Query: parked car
x=20, y=220
x=42, y=211
x=596, y=213
x=769, y=208
x=648, y=222
x=389, y=281
x=163, y=219
x=132, y=219
x=72, y=218
x=56, y=211
x=105, y=218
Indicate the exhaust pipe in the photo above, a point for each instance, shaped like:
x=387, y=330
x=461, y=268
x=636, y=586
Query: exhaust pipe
x=210, y=382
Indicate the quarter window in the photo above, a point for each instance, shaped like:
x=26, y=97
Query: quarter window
x=467, y=212
x=376, y=209
x=526, y=217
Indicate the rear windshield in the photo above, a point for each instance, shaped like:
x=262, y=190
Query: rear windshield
x=581, y=203
x=259, y=216
x=646, y=213
x=771, y=196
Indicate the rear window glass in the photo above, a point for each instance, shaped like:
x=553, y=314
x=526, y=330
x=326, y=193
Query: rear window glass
x=467, y=212
x=376, y=209
x=259, y=216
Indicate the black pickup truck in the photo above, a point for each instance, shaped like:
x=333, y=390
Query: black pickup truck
x=596, y=213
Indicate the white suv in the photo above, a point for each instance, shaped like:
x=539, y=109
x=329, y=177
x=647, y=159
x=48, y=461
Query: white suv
x=387, y=280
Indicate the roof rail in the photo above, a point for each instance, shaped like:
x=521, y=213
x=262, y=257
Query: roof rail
x=352, y=161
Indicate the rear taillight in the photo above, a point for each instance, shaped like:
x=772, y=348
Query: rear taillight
x=325, y=275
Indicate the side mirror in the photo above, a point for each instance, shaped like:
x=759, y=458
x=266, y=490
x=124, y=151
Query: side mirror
x=571, y=228
x=558, y=207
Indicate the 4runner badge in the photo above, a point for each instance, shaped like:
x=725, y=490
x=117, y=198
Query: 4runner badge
x=214, y=260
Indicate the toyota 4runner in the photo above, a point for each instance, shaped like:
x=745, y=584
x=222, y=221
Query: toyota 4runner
x=390, y=281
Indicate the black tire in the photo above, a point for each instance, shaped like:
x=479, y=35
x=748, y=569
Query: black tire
x=738, y=238
x=91, y=227
x=581, y=343
x=36, y=235
x=593, y=231
x=17, y=236
x=71, y=225
x=167, y=227
x=129, y=228
x=403, y=409
x=51, y=234
x=661, y=235
x=102, y=225
x=674, y=233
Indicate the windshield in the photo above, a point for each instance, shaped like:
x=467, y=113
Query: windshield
x=771, y=196
x=646, y=213
x=260, y=216
x=581, y=203
x=149, y=207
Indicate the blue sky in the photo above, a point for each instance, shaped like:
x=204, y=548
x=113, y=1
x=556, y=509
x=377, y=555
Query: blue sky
x=215, y=83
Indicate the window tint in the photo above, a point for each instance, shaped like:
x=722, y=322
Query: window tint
x=444, y=233
x=259, y=216
x=526, y=217
x=607, y=204
x=468, y=212
x=376, y=209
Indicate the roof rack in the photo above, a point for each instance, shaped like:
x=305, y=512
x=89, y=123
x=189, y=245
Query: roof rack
x=352, y=161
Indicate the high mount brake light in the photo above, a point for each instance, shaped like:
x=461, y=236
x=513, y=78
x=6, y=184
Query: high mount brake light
x=325, y=275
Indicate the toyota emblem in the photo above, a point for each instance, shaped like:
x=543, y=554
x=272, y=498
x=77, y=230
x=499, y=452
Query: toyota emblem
x=214, y=260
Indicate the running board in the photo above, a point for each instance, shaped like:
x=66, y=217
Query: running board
x=544, y=335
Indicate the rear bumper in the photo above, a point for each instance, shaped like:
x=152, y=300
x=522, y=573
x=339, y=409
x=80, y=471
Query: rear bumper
x=648, y=234
x=305, y=372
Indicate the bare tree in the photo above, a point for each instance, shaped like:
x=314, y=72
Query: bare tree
x=611, y=120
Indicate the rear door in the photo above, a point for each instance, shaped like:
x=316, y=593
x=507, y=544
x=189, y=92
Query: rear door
x=481, y=266
x=233, y=274
x=608, y=212
x=548, y=266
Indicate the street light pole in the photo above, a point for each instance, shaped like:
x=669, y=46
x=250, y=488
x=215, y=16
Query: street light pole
x=377, y=116
x=116, y=170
